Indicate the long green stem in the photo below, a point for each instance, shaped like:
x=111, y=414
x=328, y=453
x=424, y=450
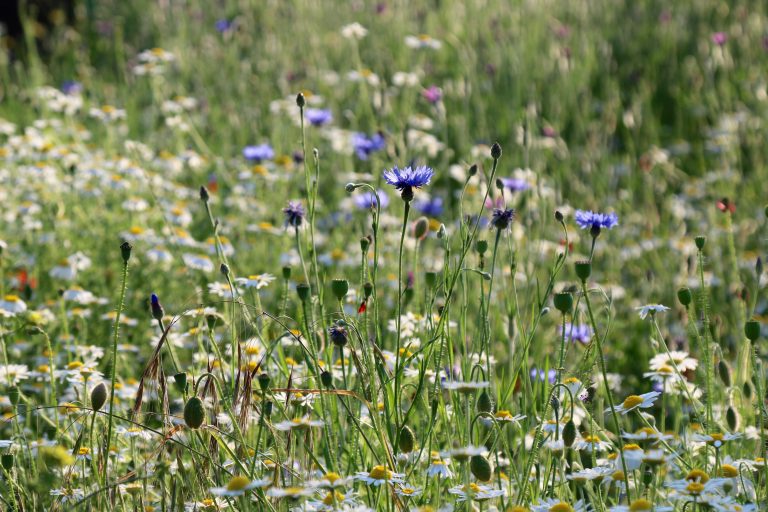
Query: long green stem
x=406, y=211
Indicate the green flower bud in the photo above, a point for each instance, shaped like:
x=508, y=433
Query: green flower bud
x=406, y=441
x=339, y=287
x=365, y=242
x=496, y=151
x=563, y=302
x=300, y=100
x=484, y=402
x=180, y=380
x=569, y=433
x=125, y=250
x=99, y=396
x=700, y=242
x=725, y=372
x=204, y=195
x=685, y=296
x=752, y=330
x=264, y=381
x=302, y=290
x=14, y=395
x=583, y=270
x=7, y=461
x=286, y=272
x=367, y=290
x=732, y=418
x=420, y=228
x=481, y=246
x=326, y=378
x=472, y=170
x=194, y=413
x=480, y=467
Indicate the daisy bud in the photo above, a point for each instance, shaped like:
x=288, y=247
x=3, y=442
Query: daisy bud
x=484, y=402
x=420, y=228
x=194, y=413
x=365, y=243
x=300, y=100
x=286, y=272
x=480, y=467
x=583, y=270
x=367, y=290
x=732, y=418
x=339, y=287
x=326, y=378
x=563, y=302
x=204, y=196
x=125, y=250
x=685, y=296
x=406, y=440
x=224, y=269
x=7, y=461
x=472, y=170
x=302, y=290
x=752, y=330
x=700, y=242
x=569, y=433
x=14, y=395
x=264, y=381
x=481, y=246
x=98, y=396
x=496, y=151
x=725, y=373
x=180, y=380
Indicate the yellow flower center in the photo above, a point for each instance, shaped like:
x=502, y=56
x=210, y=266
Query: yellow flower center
x=646, y=430
x=74, y=365
x=695, y=488
x=571, y=380
x=729, y=471
x=666, y=369
x=561, y=507
x=207, y=502
x=619, y=476
x=11, y=298
x=238, y=483
x=632, y=401
x=716, y=437
x=504, y=415
x=84, y=451
x=332, y=477
x=641, y=505
x=631, y=446
x=379, y=473
x=329, y=498
x=407, y=491
x=592, y=439
x=697, y=475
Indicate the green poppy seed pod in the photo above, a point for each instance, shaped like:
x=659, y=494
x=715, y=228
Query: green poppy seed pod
x=496, y=151
x=300, y=100
x=700, y=242
x=746, y=390
x=485, y=402
x=420, y=228
x=14, y=395
x=583, y=270
x=302, y=290
x=732, y=418
x=752, y=330
x=406, y=441
x=326, y=378
x=569, y=433
x=725, y=373
x=481, y=246
x=685, y=296
x=125, y=251
x=367, y=290
x=224, y=269
x=194, y=413
x=339, y=287
x=472, y=170
x=430, y=278
x=559, y=216
x=563, y=302
x=286, y=272
x=180, y=381
x=7, y=461
x=263, y=381
x=204, y=195
x=365, y=243
x=481, y=468
x=98, y=396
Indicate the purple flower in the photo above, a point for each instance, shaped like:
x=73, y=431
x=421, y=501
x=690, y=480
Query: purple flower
x=71, y=87
x=589, y=219
x=258, y=153
x=433, y=94
x=224, y=25
x=719, y=38
x=294, y=213
x=551, y=375
x=430, y=207
x=365, y=145
x=408, y=178
x=367, y=200
x=514, y=184
x=574, y=333
x=502, y=218
x=318, y=116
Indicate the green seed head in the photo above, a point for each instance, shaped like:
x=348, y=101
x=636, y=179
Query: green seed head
x=98, y=396
x=480, y=468
x=406, y=441
x=194, y=413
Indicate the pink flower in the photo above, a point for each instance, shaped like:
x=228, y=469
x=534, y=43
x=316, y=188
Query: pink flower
x=433, y=94
x=719, y=38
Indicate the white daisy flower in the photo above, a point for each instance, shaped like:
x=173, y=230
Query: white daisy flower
x=652, y=309
x=633, y=402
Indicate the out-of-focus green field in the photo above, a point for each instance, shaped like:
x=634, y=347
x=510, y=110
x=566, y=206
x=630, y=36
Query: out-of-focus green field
x=329, y=354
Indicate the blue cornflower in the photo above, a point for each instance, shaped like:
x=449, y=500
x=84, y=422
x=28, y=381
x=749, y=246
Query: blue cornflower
x=365, y=145
x=294, y=213
x=514, y=184
x=156, y=307
x=318, y=116
x=71, y=87
x=408, y=178
x=502, y=218
x=338, y=334
x=430, y=207
x=595, y=220
x=224, y=25
x=574, y=333
x=367, y=200
x=540, y=374
x=258, y=153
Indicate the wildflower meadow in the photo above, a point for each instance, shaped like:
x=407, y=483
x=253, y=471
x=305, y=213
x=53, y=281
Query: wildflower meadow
x=434, y=255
